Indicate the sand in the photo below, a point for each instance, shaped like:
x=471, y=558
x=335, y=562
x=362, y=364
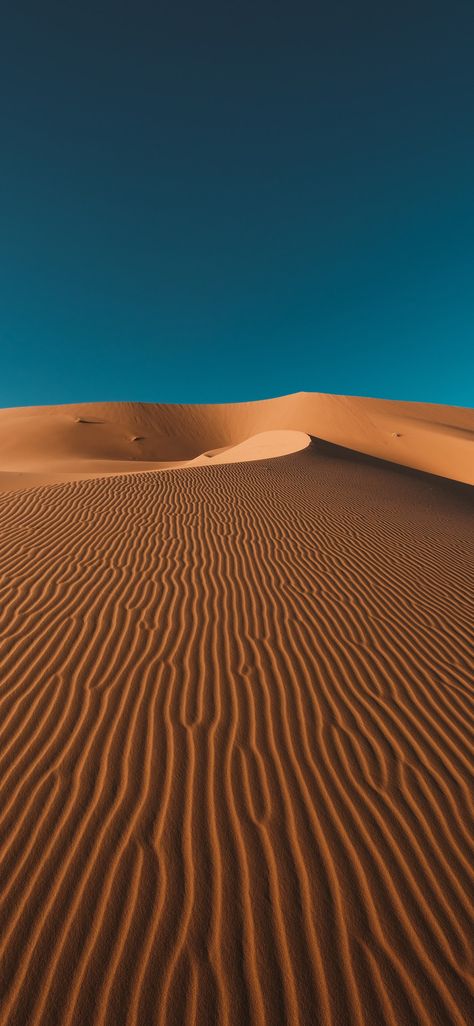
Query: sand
x=236, y=715
x=47, y=445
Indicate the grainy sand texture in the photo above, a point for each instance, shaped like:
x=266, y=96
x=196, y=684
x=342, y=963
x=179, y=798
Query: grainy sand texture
x=236, y=649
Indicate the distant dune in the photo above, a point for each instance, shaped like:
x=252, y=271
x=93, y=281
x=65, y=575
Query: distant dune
x=237, y=666
x=45, y=445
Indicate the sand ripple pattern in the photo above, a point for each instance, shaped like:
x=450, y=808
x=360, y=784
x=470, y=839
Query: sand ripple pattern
x=236, y=715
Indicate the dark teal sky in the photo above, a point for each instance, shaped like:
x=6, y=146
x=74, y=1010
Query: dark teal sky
x=211, y=201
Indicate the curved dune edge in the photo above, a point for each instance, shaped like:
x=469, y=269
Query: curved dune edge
x=45, y=445
x=235, y=748
x=264, y=446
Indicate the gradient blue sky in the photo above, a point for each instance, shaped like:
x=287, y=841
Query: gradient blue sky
x=205, y=202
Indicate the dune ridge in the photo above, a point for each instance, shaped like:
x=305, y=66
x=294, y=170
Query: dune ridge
x=46, y=445
x=236, y=746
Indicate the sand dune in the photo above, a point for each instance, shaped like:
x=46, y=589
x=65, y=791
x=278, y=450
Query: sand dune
x=236, y=716
x=45, y=445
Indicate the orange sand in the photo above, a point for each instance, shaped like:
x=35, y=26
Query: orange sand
x=236, y=711
x=50, y=444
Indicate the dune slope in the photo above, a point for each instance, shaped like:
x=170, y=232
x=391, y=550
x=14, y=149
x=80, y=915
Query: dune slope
x=235, y=746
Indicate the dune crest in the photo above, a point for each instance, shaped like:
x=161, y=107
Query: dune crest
x=266, y=445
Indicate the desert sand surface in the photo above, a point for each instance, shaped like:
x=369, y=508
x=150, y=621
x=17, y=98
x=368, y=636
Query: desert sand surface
x=237, y=667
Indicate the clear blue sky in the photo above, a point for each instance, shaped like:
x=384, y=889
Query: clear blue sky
x=205, y=202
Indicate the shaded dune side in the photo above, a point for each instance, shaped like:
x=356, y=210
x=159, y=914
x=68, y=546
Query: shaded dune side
x=235, y=748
